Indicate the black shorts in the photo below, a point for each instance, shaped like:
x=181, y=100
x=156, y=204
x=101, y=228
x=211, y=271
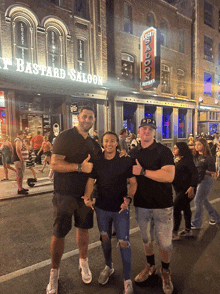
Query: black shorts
x=64, y=207
x=47, y=153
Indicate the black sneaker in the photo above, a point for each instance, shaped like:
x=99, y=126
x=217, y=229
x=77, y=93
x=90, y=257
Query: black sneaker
x=25, y=189
x=23, y=192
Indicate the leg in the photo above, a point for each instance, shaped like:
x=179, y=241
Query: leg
x=5, y=171
x=44, y=165
x=82, y=239
x=56, y=249
x=33, y=172
x=178, y=207
x=187, y=213
x=11, y=168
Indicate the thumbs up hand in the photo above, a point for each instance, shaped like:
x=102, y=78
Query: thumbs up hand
x=86, y=165
x=137, y=168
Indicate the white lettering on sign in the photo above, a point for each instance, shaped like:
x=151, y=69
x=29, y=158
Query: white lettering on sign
x=52, y=72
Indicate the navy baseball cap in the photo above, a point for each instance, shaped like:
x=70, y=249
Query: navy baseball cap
x=148, y=122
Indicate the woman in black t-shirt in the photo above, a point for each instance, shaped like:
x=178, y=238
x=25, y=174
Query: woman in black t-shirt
x=185, y=182
x=205, y=164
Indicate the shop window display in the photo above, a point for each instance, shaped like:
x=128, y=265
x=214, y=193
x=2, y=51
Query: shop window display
x=182, y=123
x=129, y=121
x=167, y=123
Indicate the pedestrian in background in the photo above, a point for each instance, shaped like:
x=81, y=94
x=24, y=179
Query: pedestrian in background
x=112, y=205
x=20, y=156
x=36, y=142
x=185, y=182
x=46, y=148
x=133, y=140
x=153, y=200
x=7, y=156
x=30, y=163
x=73, y=152
x=122, y=140
x=205, y=164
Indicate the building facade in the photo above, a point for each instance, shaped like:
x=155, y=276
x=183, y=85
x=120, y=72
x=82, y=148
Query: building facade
x=53, y=61
x=169, y=100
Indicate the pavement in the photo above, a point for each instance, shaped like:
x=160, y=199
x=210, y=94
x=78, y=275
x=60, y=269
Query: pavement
x=8, y=189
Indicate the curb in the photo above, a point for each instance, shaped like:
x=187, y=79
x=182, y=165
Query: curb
x=16, y=196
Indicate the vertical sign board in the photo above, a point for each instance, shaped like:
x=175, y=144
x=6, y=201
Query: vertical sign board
x=150, y=58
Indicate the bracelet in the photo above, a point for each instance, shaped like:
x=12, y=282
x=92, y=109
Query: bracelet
x=142, y=173
x=127, y=197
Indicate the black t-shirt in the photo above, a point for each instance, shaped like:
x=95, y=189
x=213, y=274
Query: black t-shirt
x=76, y=149
x=152, y=194
x=112, y=178
x=203, y=164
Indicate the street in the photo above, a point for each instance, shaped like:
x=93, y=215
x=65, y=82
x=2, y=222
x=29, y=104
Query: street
x=26, y=230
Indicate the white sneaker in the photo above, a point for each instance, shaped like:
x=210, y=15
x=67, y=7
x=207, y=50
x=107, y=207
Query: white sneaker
x=128, y=287
x=52, y=287
x=85, y=271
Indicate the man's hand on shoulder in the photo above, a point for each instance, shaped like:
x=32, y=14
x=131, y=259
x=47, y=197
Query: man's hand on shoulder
x=86, y=165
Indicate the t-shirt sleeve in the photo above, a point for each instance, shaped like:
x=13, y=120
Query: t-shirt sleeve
x=166, y=157
x=60, y=144
x=211, y=164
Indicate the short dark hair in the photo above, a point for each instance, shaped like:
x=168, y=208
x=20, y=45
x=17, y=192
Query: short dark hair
x=86, y=108
x=122, y=131
x=110, y=133
x=20, y=133
x=38, y=132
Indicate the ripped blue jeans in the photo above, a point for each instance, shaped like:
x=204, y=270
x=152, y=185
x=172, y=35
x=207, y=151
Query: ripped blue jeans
x=122, y=224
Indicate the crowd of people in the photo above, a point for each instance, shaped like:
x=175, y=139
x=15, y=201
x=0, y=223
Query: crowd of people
x=105, y=175
x=24, y=152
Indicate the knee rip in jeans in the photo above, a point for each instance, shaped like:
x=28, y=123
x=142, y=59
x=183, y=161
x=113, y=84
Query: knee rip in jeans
x=123, y=244
x=104, y=237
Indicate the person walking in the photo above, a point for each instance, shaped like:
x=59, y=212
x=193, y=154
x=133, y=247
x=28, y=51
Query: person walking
x=122, y=140
x=46, y=147
x=7, y=154
x=36, y=142
x=73, y=153
x=153, y=200
x=112, y=205
x=30, y=163
x=20, y=156
x=185, y=182
x=205, y=164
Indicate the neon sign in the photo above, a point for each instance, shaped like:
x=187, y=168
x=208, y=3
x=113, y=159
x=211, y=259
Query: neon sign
x=150, y=58
x=53, y=72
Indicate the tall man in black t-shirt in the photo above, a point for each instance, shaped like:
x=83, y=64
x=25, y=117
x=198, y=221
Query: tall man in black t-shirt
x=73, y=152
x=153, y=200
x=113, y=199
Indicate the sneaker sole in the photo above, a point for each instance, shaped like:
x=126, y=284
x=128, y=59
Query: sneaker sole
x=111, y=272
x=84, y=281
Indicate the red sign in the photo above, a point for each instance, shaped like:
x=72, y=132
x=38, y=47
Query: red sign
x=150, y=58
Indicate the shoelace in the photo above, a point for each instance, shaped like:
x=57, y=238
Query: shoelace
x=53, y=281
x=86, y=268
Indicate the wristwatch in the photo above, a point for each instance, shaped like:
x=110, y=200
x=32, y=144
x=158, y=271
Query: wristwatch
x=79, y=168
x=142, y=173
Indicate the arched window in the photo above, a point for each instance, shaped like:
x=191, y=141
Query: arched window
x=22, y=40
x=163, y=31
x=53, y=42
x=150, y=20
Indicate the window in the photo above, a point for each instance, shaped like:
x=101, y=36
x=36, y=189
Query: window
x=150, y=20
x=149, y=111
x=167, y=126
x=127, y=67
x=129, y=121
x=207, y=83
x=182, y=123
x=181, y=85
x=81, y=55
x=56, y=2
x=99, y=15
x=181, y=41
x=53, y=49
x=22, y=41
x=82, y=8
x=208, y=14
x=128, y=28
x=163, y=31
x=208, y=48
x=165, y=88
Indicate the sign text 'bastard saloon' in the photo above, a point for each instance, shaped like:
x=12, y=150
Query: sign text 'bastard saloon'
x=150, y=58
x=21, y=66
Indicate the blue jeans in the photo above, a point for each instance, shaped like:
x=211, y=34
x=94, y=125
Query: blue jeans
x=158, y=220
x=201, y=198
x=122, y=224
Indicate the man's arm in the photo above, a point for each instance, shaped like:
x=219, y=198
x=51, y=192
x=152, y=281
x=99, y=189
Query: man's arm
x=88, y=200
x=164, y=175
x=131, y=192
x=59, y=164
x=18, y=146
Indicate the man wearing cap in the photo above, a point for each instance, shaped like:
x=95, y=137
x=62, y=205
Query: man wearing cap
x=153, y=201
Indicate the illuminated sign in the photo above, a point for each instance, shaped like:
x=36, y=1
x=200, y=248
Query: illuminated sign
x=150, y=58
x=53, y=72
